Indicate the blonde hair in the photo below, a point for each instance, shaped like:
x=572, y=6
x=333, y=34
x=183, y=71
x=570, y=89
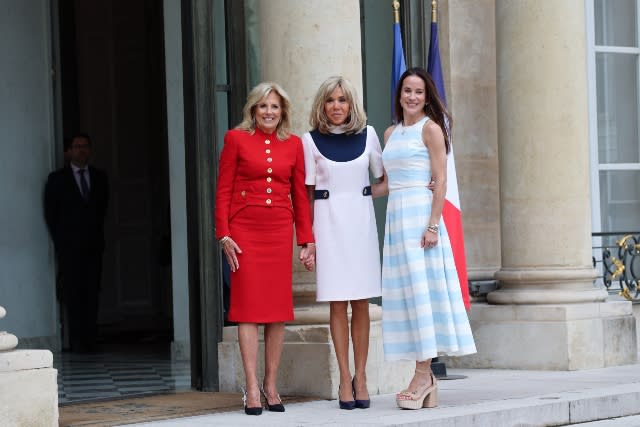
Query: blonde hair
x=257, y=94
x=357, y=119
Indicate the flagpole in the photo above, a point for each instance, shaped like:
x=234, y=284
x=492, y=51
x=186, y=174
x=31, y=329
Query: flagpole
x=398, y=64
x=395, y=4
x=434, y=8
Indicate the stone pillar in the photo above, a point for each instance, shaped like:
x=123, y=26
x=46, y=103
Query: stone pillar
x=28, y=384
x=549, y=314
x=467, y=35
x=544, y=154
x=316, y=40
x=303, y=43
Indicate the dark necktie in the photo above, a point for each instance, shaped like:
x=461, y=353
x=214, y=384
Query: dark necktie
x=84, y=187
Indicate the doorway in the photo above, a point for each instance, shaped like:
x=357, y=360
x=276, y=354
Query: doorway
x=113, y=88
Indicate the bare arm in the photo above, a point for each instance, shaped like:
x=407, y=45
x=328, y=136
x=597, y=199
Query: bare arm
x=382, y=187
x=308, y=252
x=433, y=139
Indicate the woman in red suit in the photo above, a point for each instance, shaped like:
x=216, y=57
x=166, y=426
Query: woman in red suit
x=261, y=195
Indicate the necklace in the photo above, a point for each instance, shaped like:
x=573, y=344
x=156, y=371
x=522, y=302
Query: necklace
x=403, y=127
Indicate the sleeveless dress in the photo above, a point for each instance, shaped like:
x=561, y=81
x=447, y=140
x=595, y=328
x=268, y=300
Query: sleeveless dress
x=423, y=314
x=344, y=223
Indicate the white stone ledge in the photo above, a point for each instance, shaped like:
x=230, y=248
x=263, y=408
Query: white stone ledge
x=616, y=308
x=29, y=397
x=301, y=333
x=482, y=273
x=602, y=404
x=552, y=337
x=309, y=367
x=20, y=360
x=550, y=312
x=563, y=276
x=553, y=409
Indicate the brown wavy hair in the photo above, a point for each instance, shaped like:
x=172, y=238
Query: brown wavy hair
x=434, y=107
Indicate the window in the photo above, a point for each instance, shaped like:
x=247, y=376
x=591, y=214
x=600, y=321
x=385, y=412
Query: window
x=614, y=111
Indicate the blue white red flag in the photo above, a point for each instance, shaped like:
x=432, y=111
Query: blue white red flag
x=398, y=66
x=451, y=213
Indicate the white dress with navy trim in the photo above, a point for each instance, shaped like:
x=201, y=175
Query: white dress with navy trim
x=423, y=314
x=347, y=254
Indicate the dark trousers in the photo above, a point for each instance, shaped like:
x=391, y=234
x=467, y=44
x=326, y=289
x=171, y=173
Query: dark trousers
x=80, y=274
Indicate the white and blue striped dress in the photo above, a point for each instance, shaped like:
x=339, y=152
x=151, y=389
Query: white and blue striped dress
x=423, y=314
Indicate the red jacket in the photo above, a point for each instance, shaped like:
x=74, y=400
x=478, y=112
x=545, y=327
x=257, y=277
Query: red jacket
x=261, y=170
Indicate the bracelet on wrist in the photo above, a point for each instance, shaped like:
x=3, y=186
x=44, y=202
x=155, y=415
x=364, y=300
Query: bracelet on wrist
x=433, y=228
x=223, y=240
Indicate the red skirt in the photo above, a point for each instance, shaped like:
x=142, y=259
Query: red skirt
x=261, y=288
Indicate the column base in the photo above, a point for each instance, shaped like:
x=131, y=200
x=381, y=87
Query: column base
x=28, y=388
x=552, y=337
x=308, y=366
x=546, y=286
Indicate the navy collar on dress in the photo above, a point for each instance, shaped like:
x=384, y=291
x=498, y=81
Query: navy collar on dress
x=340, y=147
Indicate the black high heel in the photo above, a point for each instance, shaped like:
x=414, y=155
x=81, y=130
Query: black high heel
x=250, y=411
x=362, y=404
x=276, y=407
x=348, y=405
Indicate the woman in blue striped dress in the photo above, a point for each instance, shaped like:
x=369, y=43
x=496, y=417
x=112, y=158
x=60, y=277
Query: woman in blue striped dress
x=423, y=314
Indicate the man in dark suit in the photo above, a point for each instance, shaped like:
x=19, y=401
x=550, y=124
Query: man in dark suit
x=75, y=202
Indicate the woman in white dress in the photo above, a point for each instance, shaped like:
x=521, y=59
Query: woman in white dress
x=339, y=152
x=423, y=314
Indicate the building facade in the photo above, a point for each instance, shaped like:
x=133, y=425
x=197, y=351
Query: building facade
x=544, y=97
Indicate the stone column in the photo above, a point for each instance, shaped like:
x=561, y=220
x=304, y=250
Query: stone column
x=315, y=40
x=467, y=36
x=28, y=384
x=303, y=43
x=544, y=154
x=551, y=316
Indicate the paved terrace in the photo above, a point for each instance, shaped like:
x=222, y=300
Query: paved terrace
x=485, y=398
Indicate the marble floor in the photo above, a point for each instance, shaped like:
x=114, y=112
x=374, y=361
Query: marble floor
x=115, y=374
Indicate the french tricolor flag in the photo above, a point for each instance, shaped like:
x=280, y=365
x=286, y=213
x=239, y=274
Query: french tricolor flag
x=451, y=213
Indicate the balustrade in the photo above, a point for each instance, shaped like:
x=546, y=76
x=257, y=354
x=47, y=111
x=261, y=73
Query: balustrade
x=617, y=258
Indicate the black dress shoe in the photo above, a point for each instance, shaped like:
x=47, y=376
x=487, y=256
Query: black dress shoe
x=253, y=411
x=348, y=404
x=361, y=404
x=257, y=410
x=276, y=407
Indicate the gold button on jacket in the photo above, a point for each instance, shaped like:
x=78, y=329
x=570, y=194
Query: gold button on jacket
x=245, y=177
